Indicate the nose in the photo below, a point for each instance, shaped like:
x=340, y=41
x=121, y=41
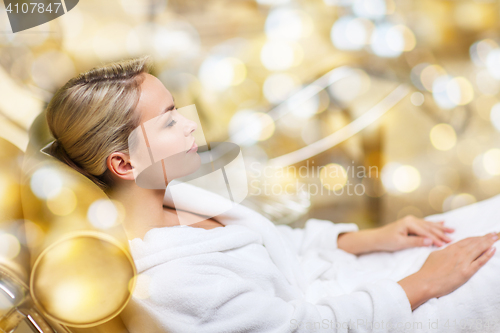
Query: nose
x=190, y=127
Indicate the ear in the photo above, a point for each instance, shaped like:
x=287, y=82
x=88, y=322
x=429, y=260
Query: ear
x=120, y=165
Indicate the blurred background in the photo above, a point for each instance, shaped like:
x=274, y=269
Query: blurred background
x=359, y=111
x=407, y=90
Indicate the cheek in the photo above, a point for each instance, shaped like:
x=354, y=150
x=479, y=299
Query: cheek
x=167, y=144
x=176, y=142
x=181, y=165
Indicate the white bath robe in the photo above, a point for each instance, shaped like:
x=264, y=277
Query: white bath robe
x=253, y=276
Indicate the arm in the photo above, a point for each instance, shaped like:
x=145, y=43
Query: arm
x=417, y=290
x=404, y=233
x=407, y=232
x=360, y=242
x=447, y=269
x=316, y=234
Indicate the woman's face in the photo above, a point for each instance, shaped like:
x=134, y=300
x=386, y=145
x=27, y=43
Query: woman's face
x=166, y=135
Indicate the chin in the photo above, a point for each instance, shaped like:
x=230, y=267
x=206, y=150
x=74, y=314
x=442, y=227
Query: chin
x=193, y=163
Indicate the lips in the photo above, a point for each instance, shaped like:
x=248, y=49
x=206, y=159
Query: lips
x=194, y=147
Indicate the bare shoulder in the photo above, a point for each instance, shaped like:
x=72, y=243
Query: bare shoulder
x=174, y=217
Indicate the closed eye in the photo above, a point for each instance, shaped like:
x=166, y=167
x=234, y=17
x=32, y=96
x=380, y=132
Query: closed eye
x=172, y=123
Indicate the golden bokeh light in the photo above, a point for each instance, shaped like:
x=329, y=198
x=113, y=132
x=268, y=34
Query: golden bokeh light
x=247, y=127
x=495, y=116
x=82, y=279
x=266, y=124
x=34, y=234
x=239, y=71
x=103, y=214
x=9, y=191
x=479, y=51
x=64, y=203
x=409, y=40
x=417, y=98
x=387, y=176
x=278, y=55
x=406, y=178
x=351, y=86
x=288, y=24
x=486, y=84
x=219, y=73
x=69, y=297
x=460, y=91
x=429, y=74
x=457, y=201
x=333, y=176
x=479, y=167
x=46, y=182
x=349, y=33
x=443, y=137
x=278, y=86
x=9, y=246
x=491, y=160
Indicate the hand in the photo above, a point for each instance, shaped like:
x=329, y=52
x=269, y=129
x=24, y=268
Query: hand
x=411, y=231
x=447, y=269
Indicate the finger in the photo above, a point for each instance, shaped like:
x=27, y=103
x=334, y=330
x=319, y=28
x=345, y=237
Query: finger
x=440, y=234
x=481, y=244
x=425, y=232
x=416, y=241
x=483, y=258
x=446, y=229
x=440, y=224
x=470, y=241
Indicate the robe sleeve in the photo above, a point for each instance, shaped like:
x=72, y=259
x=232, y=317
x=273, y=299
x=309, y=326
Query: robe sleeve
x=210, y=299
x=316, y=234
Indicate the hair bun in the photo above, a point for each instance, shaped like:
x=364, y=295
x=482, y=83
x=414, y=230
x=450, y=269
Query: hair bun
x=57, y=150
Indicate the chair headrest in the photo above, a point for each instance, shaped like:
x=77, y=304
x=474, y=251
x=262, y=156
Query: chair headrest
x=48, y=149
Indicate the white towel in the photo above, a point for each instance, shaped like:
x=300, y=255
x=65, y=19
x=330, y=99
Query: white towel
x=473, y=307
x=251, y=276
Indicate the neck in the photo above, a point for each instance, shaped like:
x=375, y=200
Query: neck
x=143, y=208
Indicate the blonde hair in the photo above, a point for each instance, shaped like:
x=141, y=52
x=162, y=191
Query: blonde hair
x=92, y=115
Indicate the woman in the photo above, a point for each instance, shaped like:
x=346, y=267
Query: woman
x=235, y=272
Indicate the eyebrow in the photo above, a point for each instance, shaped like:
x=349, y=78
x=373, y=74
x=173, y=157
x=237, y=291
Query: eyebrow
x=169, y=108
